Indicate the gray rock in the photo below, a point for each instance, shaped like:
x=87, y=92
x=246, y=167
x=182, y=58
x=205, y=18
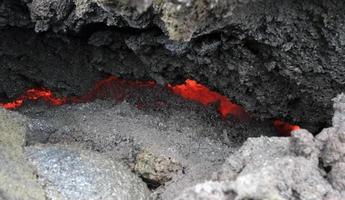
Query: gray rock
x=265, y=168
x=332, y=145
x=337, y=176
x=156, y=169
x=17, y=178
x=284, y=168
x=333, y=139
x=208, y=191
x=71, y=173
x=303, y=143
x=180, y=139
x=277, y=58
x=254, y=151
x=13, y=127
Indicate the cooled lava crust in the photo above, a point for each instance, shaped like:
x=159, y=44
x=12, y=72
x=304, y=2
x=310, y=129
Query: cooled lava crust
x=278, y=59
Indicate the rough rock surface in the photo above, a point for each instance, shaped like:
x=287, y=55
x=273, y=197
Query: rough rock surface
x=301, y=167
x=156, y=170
x=17, y=178
x=58, y=172
x=332, y=145
x=266, y=168
x=208, y=191
x=185, y=142
x=72, y=173
x=277, y=58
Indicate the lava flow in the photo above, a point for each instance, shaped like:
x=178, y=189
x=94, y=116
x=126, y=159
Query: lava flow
x=194, y=91
x=111, y=87
x=34, y=95
x=284, y=128
x=116, y=88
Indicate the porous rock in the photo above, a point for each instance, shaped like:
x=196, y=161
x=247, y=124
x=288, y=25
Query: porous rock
x=208, y=190
x=332, y=142
x=72, y=173
x=156, y=169
x=276, y=58
x=17, y=179
x=299, y=167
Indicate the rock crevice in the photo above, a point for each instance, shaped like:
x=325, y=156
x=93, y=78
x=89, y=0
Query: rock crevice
x=276, y=58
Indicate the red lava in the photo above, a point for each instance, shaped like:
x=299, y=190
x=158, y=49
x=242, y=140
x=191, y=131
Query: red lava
x=114, y=87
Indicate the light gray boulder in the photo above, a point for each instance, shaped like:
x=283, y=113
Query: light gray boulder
x=17, y=178
x=71, y=173
x=300, y=167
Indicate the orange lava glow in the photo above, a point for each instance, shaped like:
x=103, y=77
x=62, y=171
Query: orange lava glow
x=110, y=87
x=194, y=91
x=115, y=88
x=284, y=128
x=34, y=95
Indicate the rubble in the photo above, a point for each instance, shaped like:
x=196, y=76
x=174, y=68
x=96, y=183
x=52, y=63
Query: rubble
x=283, y=168
x=156, y=170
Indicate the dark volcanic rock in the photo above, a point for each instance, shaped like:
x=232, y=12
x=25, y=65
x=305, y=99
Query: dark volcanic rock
x=299, y=167
x=277, y=58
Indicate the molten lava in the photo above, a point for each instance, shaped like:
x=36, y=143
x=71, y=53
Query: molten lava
x=284, y=128
x=111, y=87
x=34, y=95
x=194, y=91
x=115, y=88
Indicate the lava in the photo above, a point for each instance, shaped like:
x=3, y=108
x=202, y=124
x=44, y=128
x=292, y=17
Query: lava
x=284, y=128
x=111, y=87
x=194, y=91
x=115, y=88
x=34, y=95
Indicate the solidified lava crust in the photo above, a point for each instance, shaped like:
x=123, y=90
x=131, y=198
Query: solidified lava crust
x=275, y=58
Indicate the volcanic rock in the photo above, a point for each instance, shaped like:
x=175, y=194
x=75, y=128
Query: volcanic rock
x=155, y=169
x=299, y=167
x=276, y=58
x=265, y=168
x=17, y=179
x=208, y=191
x=170, y=142
x=332, y=142
x=71, y=173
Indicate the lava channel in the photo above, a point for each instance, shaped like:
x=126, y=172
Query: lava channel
x=113, y=87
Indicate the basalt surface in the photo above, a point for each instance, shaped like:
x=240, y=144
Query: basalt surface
x=276, y=58
x=85, y=151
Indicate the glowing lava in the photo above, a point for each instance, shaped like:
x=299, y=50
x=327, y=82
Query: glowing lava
x=194, y=91
x=284, y=128
x=115, y=88
x=111, y=87
x=34, y=95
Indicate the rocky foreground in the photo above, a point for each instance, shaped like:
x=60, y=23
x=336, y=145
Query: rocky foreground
x=276, y=58
x=103, y=150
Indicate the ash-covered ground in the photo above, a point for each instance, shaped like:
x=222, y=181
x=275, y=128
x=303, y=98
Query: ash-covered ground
x=276, y=58
x=168, y=141
x=155, y=145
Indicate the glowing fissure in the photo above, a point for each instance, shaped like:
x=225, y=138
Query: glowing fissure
x=284, y=128
x=194, y=91
x=110, y=87
x=34, y=95
x=114, y=87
